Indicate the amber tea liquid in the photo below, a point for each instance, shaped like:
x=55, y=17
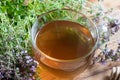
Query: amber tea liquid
x=64, y=40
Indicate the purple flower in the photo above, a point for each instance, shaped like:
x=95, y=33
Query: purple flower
x=33, y=69
x=29, y=60
x=22, y=52
x=27, y=57
x=1, y=75
x=30, y=74
x=30, y=79
x=103, y=62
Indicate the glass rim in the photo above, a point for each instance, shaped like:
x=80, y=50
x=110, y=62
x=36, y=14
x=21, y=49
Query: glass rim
x=62, y=60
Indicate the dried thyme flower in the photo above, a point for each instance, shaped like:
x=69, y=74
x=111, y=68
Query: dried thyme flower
x=108, y=55
x=20, y=67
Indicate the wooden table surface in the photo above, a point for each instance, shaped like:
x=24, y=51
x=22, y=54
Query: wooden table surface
x=94, y=72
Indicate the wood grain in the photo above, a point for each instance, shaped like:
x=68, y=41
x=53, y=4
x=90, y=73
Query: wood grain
x=94, y=72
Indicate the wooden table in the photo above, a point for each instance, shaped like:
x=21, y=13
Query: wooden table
x=93, y=72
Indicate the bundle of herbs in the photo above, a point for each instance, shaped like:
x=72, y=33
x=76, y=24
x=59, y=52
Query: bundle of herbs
x=108, y=25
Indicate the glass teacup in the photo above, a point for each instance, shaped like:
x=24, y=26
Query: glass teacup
x=68, y=15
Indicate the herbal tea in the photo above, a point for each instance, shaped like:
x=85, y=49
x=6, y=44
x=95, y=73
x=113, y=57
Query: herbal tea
x=64, y=40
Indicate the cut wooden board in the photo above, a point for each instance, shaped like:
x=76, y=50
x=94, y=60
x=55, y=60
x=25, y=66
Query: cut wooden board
x=94, y=72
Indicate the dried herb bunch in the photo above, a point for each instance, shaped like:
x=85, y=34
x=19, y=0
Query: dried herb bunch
x=108, y=54
x=19, y=66
x=108, y=28
x=108, y=25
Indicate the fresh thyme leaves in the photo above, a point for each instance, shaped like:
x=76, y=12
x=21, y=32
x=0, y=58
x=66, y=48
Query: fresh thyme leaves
x=23, y=67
